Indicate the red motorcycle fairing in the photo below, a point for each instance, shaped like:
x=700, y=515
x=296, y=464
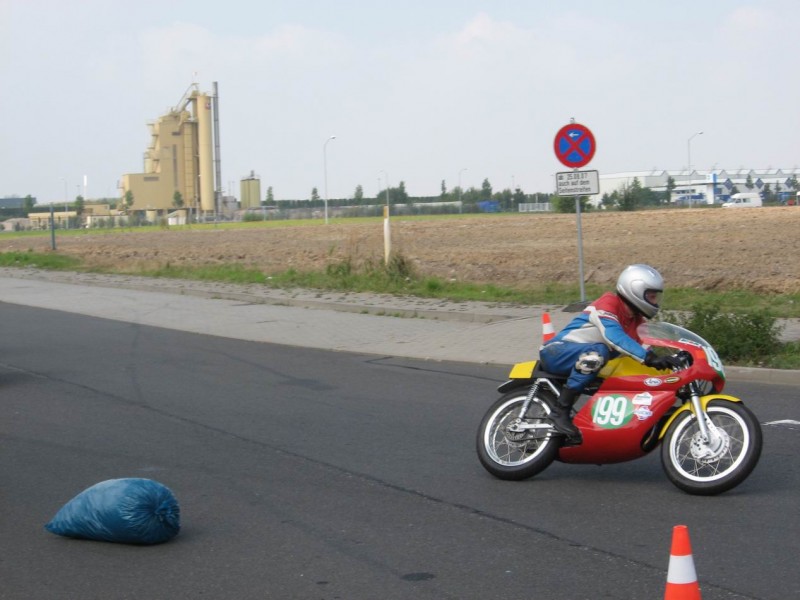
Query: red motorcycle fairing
x=615, y=420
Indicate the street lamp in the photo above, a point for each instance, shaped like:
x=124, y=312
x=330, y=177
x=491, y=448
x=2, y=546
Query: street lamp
x=459, y=189
x=325, y=168
x=66, y=199
x=689, y=150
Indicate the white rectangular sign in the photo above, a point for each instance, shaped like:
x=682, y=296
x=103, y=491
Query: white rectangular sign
x=578, y=183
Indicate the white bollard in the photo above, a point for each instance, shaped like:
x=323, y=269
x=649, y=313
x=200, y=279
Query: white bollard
x=387, y=236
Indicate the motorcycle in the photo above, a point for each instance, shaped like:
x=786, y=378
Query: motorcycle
x=710, y=442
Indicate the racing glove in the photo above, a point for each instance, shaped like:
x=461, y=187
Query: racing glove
x=662, y=363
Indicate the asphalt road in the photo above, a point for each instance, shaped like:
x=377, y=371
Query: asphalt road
x=305, y=473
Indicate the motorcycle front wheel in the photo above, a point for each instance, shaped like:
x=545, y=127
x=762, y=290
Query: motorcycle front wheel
x=722, y=463
x=509, y=451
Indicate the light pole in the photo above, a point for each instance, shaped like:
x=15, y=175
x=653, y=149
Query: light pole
x=513, y=193
x=460, y=207
x=689, y=167
x=66, y=199
x=325, y=168
x=689, y=150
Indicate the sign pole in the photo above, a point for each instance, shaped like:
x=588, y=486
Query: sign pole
x=574, y=146
x=580, y=247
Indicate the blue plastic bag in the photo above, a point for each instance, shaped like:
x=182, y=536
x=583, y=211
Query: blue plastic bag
x=127, y=511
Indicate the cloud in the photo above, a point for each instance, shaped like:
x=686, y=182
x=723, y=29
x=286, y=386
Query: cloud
x=749, y=20
x=483, y=31
x=181, y=49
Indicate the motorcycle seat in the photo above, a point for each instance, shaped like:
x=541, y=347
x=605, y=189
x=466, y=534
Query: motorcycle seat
x=540, y=371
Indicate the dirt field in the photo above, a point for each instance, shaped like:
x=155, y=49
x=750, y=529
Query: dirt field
x=756, y=249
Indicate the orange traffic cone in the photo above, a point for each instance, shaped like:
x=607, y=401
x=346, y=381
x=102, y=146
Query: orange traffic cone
x=548, y=333
x=681, y=578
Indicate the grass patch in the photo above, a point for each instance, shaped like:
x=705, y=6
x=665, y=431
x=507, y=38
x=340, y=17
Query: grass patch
x=786, y=357
x=397, y=278
x=222, y=273
x=39, y=260
x=735, y=301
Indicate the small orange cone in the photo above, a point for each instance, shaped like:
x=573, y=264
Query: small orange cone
x=681, y=578
x=548, y=333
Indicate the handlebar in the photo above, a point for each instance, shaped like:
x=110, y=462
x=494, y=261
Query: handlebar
x=686, y=358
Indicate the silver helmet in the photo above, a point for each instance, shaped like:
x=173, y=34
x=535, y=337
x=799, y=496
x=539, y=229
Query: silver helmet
x=642, y=286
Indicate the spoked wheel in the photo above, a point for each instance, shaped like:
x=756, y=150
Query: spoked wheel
x=516, y=447
x=721, y=463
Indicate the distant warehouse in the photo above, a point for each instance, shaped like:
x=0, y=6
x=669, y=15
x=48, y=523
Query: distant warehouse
x=705, y=187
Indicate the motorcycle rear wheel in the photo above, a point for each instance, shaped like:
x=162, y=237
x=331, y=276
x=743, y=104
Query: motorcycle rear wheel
x=515, y=456
x=708, y=469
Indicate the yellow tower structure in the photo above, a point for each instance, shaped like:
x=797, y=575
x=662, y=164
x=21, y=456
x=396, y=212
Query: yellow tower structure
x=250, y=191
x=201, y=104
x=178, y=162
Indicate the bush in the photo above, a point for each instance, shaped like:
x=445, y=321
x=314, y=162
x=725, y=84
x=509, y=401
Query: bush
x=746, y=337
x=400, y=268
x=341, y=269
x=566, y=204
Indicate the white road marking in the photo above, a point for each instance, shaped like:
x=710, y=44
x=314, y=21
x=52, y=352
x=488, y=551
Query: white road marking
x=791, y=424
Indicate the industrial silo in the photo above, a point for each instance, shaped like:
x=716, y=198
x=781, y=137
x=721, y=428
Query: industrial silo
x=250, y=191
x=205, y=151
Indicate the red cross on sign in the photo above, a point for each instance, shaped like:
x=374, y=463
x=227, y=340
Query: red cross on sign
x=574, y=145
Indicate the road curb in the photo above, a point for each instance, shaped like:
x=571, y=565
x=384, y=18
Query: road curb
x=527, y=334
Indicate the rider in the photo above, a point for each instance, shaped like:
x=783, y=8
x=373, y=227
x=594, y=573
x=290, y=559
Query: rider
x=605, y=329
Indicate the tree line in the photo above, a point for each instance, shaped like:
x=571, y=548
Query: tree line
x=506, y=199
x=629, y=197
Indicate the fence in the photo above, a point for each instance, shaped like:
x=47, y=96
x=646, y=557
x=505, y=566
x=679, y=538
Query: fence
x=535, y=207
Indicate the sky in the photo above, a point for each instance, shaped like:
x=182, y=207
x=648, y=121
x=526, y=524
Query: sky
x=453, y=91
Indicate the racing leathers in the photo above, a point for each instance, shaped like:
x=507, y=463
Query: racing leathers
x=605, y=329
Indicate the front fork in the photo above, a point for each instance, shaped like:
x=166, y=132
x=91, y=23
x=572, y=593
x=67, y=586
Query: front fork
x=707, y=428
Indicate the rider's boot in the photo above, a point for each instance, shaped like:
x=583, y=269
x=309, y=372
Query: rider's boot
x=560, y=416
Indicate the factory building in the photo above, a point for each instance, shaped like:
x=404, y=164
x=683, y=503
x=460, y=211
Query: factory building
x=179, y=163
x=703, y=187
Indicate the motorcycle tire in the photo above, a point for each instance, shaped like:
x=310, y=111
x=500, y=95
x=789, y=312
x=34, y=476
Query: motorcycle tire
x=515, y=456
x=708, y=469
